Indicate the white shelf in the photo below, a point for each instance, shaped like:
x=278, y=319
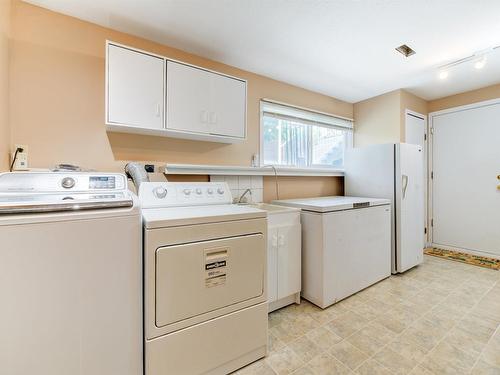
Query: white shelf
x=120, y=128
x=227, y=170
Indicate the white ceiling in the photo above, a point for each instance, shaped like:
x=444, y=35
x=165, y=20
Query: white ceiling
x=342, y=48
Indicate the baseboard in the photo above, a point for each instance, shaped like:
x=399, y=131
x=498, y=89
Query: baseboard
x=292, y=298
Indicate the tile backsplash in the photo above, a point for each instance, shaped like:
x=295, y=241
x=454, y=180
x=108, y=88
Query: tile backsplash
x=238, y=185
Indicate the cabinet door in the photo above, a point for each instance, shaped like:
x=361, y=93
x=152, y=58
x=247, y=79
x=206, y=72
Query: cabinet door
x=228, y=109
x=289, y=260
x=135, y=88
x=272, y=264
x=188, y=98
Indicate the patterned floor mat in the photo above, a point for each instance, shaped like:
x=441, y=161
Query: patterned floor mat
x=475, y=260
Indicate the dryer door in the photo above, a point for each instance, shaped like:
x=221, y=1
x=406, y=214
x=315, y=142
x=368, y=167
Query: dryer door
x=196, y=278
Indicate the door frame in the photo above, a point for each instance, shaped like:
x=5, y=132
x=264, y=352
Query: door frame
x=426, y=149
x=430, y=139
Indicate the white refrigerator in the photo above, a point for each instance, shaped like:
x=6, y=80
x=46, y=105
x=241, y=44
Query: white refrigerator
x=395, y=172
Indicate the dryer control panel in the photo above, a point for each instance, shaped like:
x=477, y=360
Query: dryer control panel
x=181, y=194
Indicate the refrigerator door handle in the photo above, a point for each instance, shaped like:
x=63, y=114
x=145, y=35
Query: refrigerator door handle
x=405, y=184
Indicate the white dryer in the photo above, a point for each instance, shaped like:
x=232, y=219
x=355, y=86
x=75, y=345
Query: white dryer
x=205, y=279
x=70, y=275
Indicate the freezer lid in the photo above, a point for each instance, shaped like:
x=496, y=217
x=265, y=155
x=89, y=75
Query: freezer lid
x=333, y=203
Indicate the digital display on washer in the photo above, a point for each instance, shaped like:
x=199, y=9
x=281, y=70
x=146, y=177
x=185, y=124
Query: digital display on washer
x=102, y=182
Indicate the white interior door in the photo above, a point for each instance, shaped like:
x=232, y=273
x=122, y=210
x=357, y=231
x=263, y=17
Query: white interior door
x=466, y=163
x=415, y=125
x=416, y=134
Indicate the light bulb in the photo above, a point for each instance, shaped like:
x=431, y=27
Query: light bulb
x=479, y=64
x=443, y=74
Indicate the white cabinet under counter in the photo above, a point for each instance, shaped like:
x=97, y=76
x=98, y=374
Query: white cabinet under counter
x=283, y=255
x=153, y=95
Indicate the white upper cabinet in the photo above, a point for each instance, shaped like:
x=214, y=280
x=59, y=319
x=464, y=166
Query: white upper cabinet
x=188, y=102
x=228, y=106
x=203, y=102
x=150, y=94
x=135, y=88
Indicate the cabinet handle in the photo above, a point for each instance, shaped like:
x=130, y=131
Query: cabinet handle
x=275, y=240
x=204, y=116
x=281, y=240
x=158, y=109
x=213, y=117
x=405, y=185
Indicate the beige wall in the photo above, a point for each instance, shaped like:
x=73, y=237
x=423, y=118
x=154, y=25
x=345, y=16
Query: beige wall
x=302, y=187
x=377, y=120
x=4, y=84
x=469, y=97
x=58, y=73
x=57, y=100
x=381, y=119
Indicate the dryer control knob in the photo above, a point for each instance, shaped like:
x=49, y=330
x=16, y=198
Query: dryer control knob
x=68, y=182
x=220, y=191
x=210, y=191
x=187, y=191
x=198, y=191
x=160, y=192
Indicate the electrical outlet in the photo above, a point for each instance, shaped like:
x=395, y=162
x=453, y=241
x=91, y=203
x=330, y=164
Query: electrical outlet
x=21, y=163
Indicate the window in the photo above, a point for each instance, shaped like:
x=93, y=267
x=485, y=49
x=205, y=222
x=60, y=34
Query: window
x=299, y=138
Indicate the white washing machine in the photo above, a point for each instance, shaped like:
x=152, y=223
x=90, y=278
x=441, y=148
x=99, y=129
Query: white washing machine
x=70, y=275
x=205, y=279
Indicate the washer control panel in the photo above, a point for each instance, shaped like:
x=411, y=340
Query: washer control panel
x=178, y=194
x=56, y=182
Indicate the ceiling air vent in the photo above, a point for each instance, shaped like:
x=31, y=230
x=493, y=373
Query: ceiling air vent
x=405, y=50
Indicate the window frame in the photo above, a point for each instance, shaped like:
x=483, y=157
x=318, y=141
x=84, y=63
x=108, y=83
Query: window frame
x=311, y=167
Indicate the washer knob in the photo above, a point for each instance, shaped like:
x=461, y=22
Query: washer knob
x=198, y=191
x=220, y=191
x=160, y=192
x=68, y=182
x=187, y=191
x=210, y=191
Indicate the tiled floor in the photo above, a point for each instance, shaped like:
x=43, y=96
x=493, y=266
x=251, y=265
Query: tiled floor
x=439, y=318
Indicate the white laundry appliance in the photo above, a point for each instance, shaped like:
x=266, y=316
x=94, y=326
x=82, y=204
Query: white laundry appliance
x=205, y=279
x=70, y=275
x=395, y=172
x=346, y=245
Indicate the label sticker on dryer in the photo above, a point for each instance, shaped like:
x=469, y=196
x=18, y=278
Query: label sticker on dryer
x=215, y=266
x=215, y=281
